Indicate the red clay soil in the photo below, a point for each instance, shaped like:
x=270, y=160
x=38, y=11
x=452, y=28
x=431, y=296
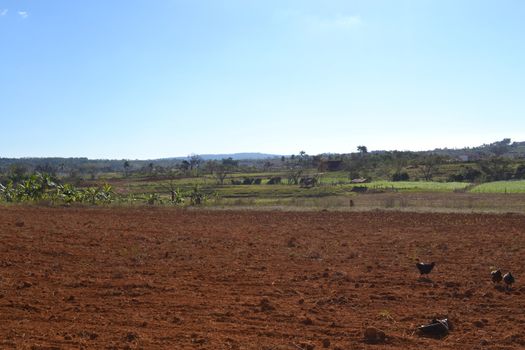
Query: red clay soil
x=75, y=278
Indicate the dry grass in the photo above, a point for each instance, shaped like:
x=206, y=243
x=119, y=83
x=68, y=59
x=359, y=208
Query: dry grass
x=420, y=202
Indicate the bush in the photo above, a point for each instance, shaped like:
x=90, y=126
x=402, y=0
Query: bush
x=467, y=174
x=197, y=197
x=248, y=181
x=456, y=178
x=400, y=176
x=520, y=172
x=153, y=199
x=276, y=180
x=472, y=175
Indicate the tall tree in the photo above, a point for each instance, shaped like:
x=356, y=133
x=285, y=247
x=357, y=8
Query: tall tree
x=195, y=161
x=362, y=149
x=126, y=168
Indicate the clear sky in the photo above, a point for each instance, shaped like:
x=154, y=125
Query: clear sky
x=150, y=79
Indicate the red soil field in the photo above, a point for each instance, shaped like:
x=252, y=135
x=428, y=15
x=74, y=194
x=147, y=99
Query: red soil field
x=80, y=278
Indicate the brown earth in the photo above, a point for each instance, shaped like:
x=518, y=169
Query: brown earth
x=179, y=279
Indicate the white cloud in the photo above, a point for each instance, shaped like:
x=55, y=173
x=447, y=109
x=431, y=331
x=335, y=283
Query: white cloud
x=3, y=12
x=23, y=14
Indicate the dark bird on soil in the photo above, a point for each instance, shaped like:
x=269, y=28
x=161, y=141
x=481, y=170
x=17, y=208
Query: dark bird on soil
x=508, y=279
x=496, y=276
x=425, y=268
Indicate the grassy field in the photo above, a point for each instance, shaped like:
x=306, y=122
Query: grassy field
x=416, y=186
x=500, y=187
x=335, y=193
x=400, y=201
x=331, y=184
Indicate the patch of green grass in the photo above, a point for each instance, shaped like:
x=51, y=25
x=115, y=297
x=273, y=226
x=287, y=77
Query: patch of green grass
x=500, y=187
x=415, y=186
x=275, y=191
x=335, y=177
x=336, y=202
x=332, y=184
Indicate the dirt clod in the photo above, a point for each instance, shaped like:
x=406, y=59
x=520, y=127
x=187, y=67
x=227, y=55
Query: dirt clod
x=265, y=305
x=374, y=335
x=24, y=285
x=307, y=321
x=131, y=336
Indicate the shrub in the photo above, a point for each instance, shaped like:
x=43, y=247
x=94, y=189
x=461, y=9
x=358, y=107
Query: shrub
x=197, y=197
x=276, y=180
x=153, y=199
x=456, y=178
x=248, y=181
x=471, y=174
x=400, y=176
x=520, y=172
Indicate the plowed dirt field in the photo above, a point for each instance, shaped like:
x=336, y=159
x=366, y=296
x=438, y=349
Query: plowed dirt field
x=76, y=278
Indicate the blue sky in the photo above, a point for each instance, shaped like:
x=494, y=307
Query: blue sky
x=149, y=79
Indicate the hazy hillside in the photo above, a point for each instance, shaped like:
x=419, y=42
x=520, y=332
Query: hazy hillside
x=235, y=156
x=504, y=148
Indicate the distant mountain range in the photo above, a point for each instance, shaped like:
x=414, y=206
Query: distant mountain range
x=499, y=148
x=234, y=156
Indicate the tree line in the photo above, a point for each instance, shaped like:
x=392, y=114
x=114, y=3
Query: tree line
x=501, y=160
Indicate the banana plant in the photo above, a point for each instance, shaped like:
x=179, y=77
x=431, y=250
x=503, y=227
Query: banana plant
x=153, y=198
x=106, y=194
x=30, y=189
x=68, y=193
x=8, y=192
x=197, y=197
x=91, y=195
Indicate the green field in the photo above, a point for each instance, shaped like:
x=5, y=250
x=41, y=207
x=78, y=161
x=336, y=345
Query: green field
x=500, y=187
x=330, y=185
x=334, y=191
x=416, y=186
